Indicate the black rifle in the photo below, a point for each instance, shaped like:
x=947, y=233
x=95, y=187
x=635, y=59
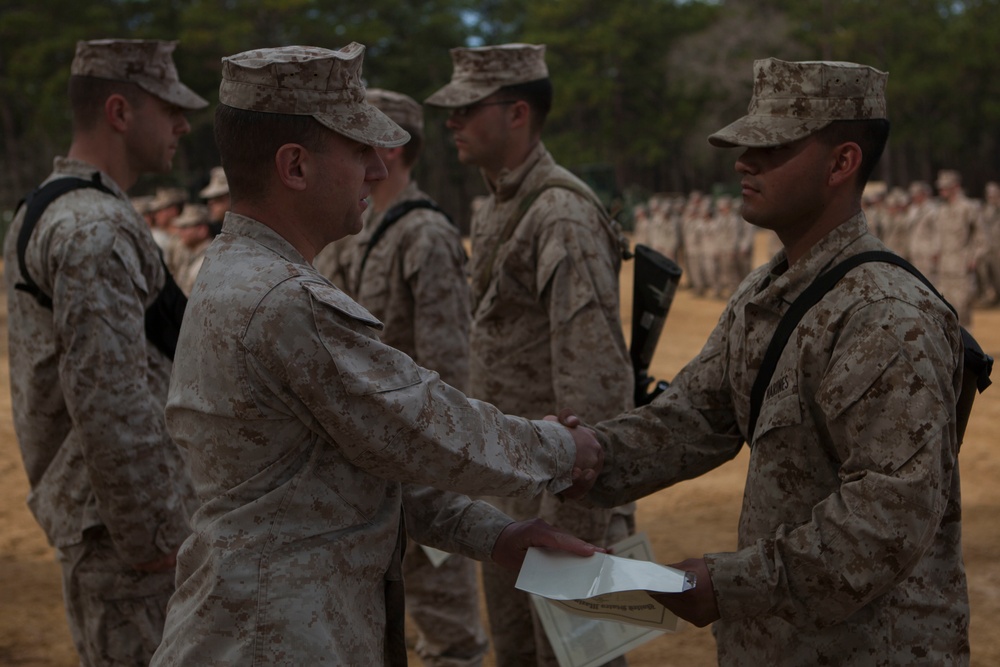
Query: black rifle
x=654, y=285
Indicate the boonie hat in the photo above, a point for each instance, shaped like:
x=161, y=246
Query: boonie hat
x=401, y=108
x=148, y=63
x=481, y=71
x=167, y=197
x=792, y=100
x=218, y=184
x=192, y=216
x=309, y=81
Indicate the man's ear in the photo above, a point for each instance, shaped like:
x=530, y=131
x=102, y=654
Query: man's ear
x=291, y=163
x=118, y=112
x=520, y=114
x=846, y=163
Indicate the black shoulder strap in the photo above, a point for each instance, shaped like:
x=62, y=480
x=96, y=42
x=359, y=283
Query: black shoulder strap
x=976, y=361
x=35, y=204
x=390, y=218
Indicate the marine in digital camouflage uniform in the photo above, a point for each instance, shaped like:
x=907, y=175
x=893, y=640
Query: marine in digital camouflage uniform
x=108, y=485
x=305, y=435
x=849, y=543
x=923, y=248
x=545, y=327
x=961, y=242
x=412, y=277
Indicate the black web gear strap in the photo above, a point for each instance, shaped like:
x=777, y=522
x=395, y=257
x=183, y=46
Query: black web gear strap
x=35, y=204
x=390, y=218
x=977, y=364
x=162, y=318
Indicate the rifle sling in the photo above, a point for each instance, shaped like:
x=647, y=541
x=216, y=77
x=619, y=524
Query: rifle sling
x=164, y=315
x=976, y=362
x=390, y=218
x=482, y=279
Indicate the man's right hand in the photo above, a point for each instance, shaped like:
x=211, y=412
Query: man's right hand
x=589, y=455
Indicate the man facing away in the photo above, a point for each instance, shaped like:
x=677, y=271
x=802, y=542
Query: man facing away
x=545, y=327
x=849, y=548
x=108, y=485
x=305, y=435
x=407, y=268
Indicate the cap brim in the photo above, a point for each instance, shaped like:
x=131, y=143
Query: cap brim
x=175, y=93
x=765, y=131
x=456, y=95
x=212, y=193
x=366, y=124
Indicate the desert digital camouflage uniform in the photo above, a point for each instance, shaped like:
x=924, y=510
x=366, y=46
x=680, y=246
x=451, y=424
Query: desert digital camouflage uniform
x=735, y=246
x=896, y=233
x=665, y=236
x=693, y=232
x=546, y=332
x=108, y=486
x=923, y=248
x=849, y=541
x=187, y=259
x=988, y=268
x=414, y=282
x=307, y=438
x=298, y=465
x=961, y=242
x=856, y=437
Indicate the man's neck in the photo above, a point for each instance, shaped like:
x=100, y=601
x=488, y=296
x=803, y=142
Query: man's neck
x=516, y=155
x=104, y=154
x=385, y=192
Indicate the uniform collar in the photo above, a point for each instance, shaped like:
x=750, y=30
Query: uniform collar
x=777, y=292
x=509, y=180
x=67, y=166
x=241, y=225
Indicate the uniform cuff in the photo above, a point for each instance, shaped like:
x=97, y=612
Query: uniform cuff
x=559, y=454
x=741, y=582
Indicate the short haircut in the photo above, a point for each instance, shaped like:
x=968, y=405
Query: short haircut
x=538, y=95
x=87, y=95
x=411, y=149
x=248, y=140
x=870, y=134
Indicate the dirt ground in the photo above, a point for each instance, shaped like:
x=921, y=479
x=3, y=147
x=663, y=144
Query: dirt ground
x=693, y=518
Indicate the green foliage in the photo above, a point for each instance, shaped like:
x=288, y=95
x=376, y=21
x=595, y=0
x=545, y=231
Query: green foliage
x=638, y=83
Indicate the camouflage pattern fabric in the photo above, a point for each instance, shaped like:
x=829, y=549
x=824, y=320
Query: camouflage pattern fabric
x=545, y=335
x=961, y=240
x=792, y=100
x=414, y=282
x=309, y=81
x=299, y=427
x=478, y=72
x=88, y=390
x=923, y=247
x=850, y=533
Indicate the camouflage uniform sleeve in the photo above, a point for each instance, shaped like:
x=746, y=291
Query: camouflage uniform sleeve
x=577, y=277
x=98, y=315
x=688, y=430
x=392, y=418
x=434, y=268
x=452, y=522
x=888, y=399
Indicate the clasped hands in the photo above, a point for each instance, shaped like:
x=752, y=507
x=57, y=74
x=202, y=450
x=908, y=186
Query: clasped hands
x=589, y=454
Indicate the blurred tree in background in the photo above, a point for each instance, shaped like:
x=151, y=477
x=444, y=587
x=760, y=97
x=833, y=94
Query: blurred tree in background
x=639, y=83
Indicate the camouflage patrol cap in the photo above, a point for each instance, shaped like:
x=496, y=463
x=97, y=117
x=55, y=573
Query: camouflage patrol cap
x=792, y=100
x=167, y=197
x=309, y=81
x=479, y=72
x=218, y=184
x=948, y=178
x=148, y=63
x=191, y=216
x=401, y=108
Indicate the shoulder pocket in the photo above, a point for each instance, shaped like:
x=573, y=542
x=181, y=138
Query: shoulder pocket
x=873, y=390
x=365, y=365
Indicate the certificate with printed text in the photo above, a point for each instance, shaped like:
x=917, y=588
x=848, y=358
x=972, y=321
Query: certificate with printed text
x=596, y=609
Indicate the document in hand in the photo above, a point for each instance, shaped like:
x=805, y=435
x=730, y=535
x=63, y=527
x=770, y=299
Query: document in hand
x=604, y=586
x=578, y=626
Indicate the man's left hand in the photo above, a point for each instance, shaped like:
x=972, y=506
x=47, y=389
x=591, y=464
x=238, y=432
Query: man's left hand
x=514, y=540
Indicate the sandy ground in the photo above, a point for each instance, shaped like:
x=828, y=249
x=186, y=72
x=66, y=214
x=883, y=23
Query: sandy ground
x=693, y=518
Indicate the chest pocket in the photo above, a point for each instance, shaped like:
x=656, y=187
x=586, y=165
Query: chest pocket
x=781, y=407
x=365, y=365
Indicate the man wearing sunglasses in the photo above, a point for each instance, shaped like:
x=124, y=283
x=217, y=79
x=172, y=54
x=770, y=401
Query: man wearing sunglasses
x=545, y=326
